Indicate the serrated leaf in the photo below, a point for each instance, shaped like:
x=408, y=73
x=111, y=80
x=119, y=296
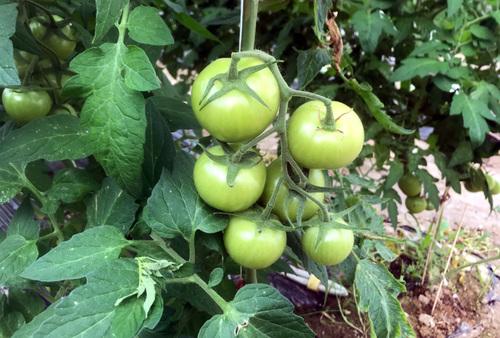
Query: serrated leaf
x=111, y=206
x=159, y=149
x=462, y=154
x=482, y=32
x=23, y=223
x=376, y=107
x=429, y=48
x=11, y=181
x=139, y=73
x=89, y=311
x=215, y=277
x=473, y=113
x=16, y=253
x=107, y=14
x=370, y=26
x=453, y=7
x=377, y=292
x=396, y=171
x=310, y=62
x=145, y=25
x=429, y=186
x=193, y=25
x=8, y=71
x=79, y=256
x=175, y=208
x=384, y=252
x=413, y=67
x=113, y=113
x=321, y=9
x=258, y=310
x=54, y=138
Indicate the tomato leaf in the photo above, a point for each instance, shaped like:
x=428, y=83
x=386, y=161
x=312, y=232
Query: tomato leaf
x=107, y=14
x=111, y=206
x=77, y=257
x=145, y=25
x=23, y=223
x=474, y=112
x=16, y=253
x=216, y=277
x=257, y=310
x=11, y=180
x=90, y=309
x=310, y=62
x=8, y=71
x=114, y=113
x=377, y=292
x=370, y=26
x=139, y=73
x=176, y=209
x=413, y=67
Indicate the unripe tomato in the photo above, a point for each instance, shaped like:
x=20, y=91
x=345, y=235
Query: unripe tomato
x=62, y=43
x=333, y=247
x=429, y=205
x=22, y=60
x=274, y=173
x=251, y=245
x=493, y=184
x=410, y=185
x=415, y=204
x=210, y=182
x=315, y=147
x=473, y=185
x=236, y=116
x=26, y=105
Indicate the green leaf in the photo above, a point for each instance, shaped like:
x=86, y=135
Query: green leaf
x=69, y=186
x=111, y=206
x=194, y=26
x=90, y=310
x=145, y=25
x=429, y=186
x=376, y=107
x=79, y=256
x=23, y=223
x=377, y=292
x=11, y=321
x=462, y=154
x=176, y=209
x=310, y=62
x=113, y=113
x=107, y=14
x=11, y=181
x=258, y=310
x=482, y=32
x=413, y=67
x=396, y=171
x=16, y=253
x=54, y=138
x=177, y=113
x=370, y=26
x=473, y=113
x=8, y=71
x=159, y=149
x=321, y=9
x=432, y=47
x=453, y=7
x=139, y=73
x=215, y=277
x=384, y=252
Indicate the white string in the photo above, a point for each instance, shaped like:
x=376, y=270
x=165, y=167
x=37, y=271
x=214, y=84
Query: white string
x=241, y=24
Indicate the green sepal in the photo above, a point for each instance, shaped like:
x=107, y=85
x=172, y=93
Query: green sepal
x=232, y=172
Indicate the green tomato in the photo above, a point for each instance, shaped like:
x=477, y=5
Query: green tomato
x=473, y=185
x=62, y=43
x=415, y=204
x=274, y=173
x=315, y=147
x=236, y=116
x=22, y=60
x=429, y=205
x=333, y=247
x=210, y=182
x=26, y=105
x=251, y=245
x=410, y=185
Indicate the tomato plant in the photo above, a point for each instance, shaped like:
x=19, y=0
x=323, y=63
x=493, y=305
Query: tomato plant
x=134, y=196
x=252, y=245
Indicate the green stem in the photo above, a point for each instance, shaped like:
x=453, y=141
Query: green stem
x=252, y=143
x=272, y=201
x=221, y=302
x=468, y=265
x=249, y=13
x=329, y=121
x=192, y=248
x=122, y=27
x=251, y=276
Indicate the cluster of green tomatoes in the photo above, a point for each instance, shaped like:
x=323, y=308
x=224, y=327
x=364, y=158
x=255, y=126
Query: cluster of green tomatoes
x=411, y=186
x=29, y=102
x=237, y=116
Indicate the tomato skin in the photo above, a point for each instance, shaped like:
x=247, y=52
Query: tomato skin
x=493, y=184
x=333, y=248
x=473, y=185
x=410, y=185
x=274, y=173
x=236, y=117
x=210, y=182
x=26, y=105
x=314, y=147
x=415, y=204
x=252, y=246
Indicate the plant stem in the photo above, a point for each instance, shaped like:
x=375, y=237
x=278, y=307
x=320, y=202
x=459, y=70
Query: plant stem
x=251, y=276
x=247, y=146
x=249, y=13
x=221, y=302
x=122, y=27
x=468, y=265
x=192, y=248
